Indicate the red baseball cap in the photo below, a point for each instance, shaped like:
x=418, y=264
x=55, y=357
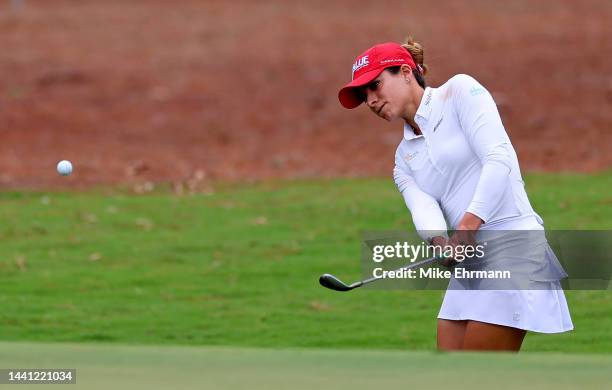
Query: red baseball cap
x=369, y=65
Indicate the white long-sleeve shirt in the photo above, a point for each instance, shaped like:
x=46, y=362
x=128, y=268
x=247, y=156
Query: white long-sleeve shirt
x=462, y=162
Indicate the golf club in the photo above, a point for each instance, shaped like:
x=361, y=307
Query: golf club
x=333, y=283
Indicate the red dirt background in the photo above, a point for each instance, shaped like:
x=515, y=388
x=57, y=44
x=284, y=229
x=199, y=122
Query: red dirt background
x=179, y=91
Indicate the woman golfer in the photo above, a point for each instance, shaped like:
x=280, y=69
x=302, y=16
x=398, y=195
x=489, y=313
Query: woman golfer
x=457, y=170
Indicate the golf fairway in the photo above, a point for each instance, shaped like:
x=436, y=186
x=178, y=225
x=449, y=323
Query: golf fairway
x=137, y=367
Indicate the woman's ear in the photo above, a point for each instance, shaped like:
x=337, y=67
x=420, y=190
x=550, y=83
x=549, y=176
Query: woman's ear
x=406, y=72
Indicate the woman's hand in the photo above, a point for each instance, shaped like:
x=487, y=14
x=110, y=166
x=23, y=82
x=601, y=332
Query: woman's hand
x=465, y=234
x=470, y=222
x=466, y=230
x=442, y=242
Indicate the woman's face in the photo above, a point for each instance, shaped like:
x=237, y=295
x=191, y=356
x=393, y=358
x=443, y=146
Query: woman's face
x=387, y=95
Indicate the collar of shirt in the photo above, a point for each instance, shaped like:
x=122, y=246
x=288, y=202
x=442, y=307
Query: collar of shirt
x=409, y=132
x=422, y=115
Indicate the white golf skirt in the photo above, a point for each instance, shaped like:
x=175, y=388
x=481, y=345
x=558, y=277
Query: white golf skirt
x=543, y=311
x=537, y=303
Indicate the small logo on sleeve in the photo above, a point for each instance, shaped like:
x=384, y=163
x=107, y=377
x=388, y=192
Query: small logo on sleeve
x=475, y=91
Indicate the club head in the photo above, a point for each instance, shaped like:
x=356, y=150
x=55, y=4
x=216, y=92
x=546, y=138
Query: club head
x=333, y=283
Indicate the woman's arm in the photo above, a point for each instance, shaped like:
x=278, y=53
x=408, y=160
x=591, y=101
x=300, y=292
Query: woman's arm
x=483, y=128
x=425, y=210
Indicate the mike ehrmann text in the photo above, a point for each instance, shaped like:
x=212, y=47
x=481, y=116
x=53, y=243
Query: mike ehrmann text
x=436, y=273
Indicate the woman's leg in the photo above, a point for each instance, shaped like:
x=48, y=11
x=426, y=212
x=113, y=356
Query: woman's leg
x=451, y=334
x=482, y=336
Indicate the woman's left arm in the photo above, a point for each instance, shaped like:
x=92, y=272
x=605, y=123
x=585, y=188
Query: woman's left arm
x=483, y=128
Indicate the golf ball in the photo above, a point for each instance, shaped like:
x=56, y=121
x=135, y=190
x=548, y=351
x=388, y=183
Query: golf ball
x=64, y=167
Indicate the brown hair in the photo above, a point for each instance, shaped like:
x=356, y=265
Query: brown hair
x=416, y=51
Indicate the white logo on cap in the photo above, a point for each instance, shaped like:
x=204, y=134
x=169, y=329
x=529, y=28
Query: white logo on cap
x=392, y=60
x=360, y=63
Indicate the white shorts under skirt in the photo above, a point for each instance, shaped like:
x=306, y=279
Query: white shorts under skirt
x=533, y=302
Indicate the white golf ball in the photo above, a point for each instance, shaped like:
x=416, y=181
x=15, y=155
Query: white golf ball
x=64, y=167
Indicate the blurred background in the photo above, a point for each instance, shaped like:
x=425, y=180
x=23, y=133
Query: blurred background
x=216, y=176
x=135, y=91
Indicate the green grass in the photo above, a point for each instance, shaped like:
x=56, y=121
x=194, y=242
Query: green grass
x=138, y=367
x=239, y=267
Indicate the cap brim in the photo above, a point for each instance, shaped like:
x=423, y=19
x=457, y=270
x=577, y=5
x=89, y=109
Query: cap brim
x=349, y=96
